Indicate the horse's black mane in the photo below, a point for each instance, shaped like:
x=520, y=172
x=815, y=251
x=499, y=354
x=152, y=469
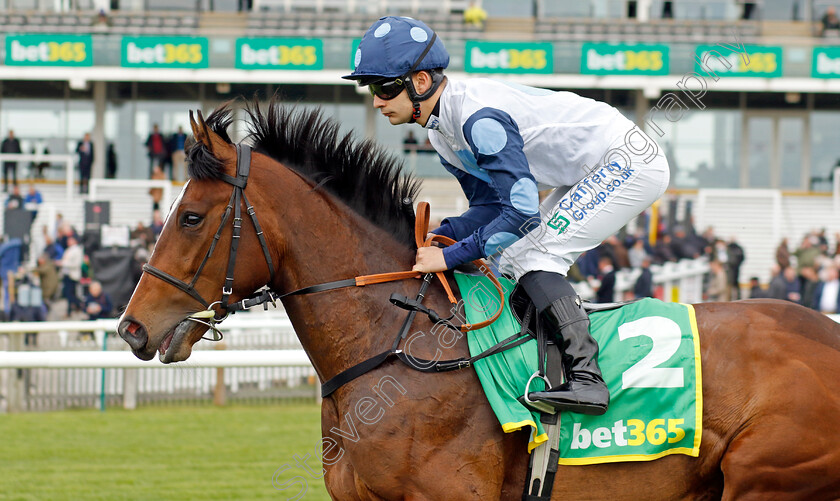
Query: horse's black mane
x=360, y=173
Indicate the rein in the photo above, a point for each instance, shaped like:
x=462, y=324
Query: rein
x=208, y=316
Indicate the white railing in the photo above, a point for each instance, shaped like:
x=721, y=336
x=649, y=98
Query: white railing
x=681, y=281
x=263, y=359
x=68, y=160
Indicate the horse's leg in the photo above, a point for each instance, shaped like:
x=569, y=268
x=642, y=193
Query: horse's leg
x=340, y=478
x=785, y=446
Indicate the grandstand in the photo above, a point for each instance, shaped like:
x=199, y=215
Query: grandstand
x=759, y=143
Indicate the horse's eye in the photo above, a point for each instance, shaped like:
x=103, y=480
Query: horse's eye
x=190, y=219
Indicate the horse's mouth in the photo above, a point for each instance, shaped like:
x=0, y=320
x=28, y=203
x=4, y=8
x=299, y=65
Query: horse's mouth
x=172, y=348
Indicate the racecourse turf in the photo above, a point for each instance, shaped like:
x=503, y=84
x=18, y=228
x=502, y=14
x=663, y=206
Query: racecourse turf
x=161, y=453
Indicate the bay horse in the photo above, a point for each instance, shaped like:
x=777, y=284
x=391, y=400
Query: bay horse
x=331, y=208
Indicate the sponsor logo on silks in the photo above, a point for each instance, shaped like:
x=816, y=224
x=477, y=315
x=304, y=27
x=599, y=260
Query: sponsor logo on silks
x=594, y=190
x=558, y=223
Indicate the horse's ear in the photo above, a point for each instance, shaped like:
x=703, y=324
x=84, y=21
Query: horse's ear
x=198, y=130
x=205, y=135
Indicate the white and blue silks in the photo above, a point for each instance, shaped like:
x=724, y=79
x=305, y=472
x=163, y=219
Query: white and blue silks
x=506, y=142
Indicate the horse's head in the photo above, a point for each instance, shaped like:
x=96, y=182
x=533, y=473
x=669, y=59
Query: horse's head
x=320, y=197
x=189, y=277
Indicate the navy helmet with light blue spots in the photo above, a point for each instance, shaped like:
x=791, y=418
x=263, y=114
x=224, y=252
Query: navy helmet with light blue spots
x=393, y=46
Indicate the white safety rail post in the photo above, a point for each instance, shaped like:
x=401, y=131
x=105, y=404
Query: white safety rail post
x=68, y=160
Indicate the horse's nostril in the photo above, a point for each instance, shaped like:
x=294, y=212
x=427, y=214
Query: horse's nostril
x=133, y=333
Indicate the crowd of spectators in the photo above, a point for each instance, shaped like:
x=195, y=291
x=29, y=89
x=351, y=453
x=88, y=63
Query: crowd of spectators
x=627, y=251
x=167, y=153
x=807, y=275
x=62, y=282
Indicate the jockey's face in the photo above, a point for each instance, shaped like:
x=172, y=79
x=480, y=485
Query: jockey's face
x=399, y=109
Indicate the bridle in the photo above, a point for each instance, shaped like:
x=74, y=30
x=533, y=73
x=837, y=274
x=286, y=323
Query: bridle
x=208, y=315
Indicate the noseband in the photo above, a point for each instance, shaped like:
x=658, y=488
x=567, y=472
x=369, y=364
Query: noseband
x=208, y=316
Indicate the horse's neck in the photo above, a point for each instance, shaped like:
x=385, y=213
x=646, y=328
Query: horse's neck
x=342, y=327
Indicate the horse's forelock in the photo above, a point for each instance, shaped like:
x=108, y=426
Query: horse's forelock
x=201, y=163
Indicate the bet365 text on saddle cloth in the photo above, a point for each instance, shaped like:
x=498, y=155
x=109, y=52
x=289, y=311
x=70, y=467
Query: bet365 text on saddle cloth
x=650, y=360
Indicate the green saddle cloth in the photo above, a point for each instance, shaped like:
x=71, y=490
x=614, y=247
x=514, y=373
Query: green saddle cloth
x=649, y=357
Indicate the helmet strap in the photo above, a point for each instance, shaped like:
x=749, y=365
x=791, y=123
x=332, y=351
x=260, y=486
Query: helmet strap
x=416, y=99
x=416, y=113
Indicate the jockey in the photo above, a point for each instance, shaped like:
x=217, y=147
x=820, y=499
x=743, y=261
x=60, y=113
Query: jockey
x=504, y=143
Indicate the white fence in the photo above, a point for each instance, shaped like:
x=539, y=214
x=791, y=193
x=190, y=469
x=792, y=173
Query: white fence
x=680, y=282
x=83, y=364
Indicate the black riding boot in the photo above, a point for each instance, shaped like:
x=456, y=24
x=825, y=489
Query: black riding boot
x=585, y=391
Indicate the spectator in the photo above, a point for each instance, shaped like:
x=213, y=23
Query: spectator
x=156, y=147
x=783, y=254
x=37, y=168
x=806, y=254
x=474, y=15
x=102, y=22
x=71, y=274
x=808, y=281
x=157, y=223
x=637, y=253
x=176, y=146
x=410, y=142
x=111, y=162
x=785, y=285
x=52, y=248
x=10, y=145
x=755, y=289
x=619, y=252
x=734, y=260
x=85, y=151
x=97, y=302
x=142, y=235
x=718, y=288
x=662, y=252
x=681, y=245
x=15, y=200
x=47, y=276
x=830, y=23
x=827, y=292
x=606, y=291
x=156, y=193
x=644, y=284
x=33, y=200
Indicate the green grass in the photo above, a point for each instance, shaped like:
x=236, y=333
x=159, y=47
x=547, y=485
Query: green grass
x=158, y=453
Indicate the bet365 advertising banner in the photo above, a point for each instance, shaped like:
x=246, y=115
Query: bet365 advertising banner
x=508, y=57
x=825, y=62
x=760, y=61
x=165, y=52
x=279, y=54
x=624, y=59
x=49, y=50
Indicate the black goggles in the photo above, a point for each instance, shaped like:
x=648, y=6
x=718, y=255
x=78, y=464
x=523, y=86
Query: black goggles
x=387, y=89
